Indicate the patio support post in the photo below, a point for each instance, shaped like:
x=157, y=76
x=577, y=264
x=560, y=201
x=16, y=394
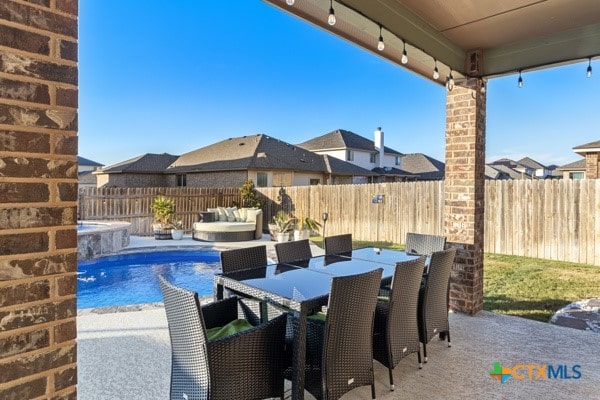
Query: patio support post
x=464, y=192
x=38, y=199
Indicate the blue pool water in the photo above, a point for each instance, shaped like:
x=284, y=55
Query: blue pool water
x=133, y=278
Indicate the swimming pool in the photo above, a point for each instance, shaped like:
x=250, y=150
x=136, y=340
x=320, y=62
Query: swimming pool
x=133, y=278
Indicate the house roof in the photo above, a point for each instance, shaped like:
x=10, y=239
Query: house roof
x=335, y=166
x=393, y=171
x=491, y=172
x=342, y=139
x=249, y=152
x=505, y=161
x=88, y=162
x=587, y=148
x=530, y=163
x=146, y=163
x=508, y=170
x=578, y=165
x=423, y=166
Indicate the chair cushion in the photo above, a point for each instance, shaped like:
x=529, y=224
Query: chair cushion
x=319, y=317
x=235, y=326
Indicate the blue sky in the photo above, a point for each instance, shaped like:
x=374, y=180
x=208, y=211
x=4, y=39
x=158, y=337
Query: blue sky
x=159, y=76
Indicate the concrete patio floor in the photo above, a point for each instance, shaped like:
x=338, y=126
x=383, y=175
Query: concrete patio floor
x=125, y=355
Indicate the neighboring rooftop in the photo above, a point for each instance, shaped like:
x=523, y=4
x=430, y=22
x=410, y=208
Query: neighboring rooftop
x=530, y=163
x=492, y=172
x=424, y=166
x=339, y=167
x=249, y=152
x=87, y=162
x=588, y=147
x=146, y=163
x=578, y=165
x=342, y=139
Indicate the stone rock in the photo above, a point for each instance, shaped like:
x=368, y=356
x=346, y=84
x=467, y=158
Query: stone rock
x=584, y=315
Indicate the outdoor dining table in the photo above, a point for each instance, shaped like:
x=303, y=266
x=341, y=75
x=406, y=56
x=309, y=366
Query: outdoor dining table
x=302, y=287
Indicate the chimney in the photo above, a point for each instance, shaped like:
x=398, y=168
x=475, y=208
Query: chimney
x=379, y=146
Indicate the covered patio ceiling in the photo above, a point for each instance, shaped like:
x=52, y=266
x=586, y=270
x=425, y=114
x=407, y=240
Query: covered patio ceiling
x=481, y=38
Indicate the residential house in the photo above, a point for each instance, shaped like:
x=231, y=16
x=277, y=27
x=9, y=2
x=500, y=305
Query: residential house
x=574, y=170
x=264, y=159
x=525, y=168
x=533, y=168
x=387, y=164
x=146, y=170
x=229, y=163
x=591, y=152
x=85, y=169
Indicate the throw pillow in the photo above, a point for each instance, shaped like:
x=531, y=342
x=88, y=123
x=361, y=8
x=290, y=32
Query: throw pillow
x=244, y=214
x=238, y=216
x=222, y=214
x=230, y=215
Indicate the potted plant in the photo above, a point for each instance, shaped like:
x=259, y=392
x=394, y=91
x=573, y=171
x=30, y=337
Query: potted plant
x=249, y=195
x=177, y=230
x=282, y=226
x=304, y=227
x=163, y=209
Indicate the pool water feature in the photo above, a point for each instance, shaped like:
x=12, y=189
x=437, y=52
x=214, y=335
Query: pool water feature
x=133, y=278
x=98, y=238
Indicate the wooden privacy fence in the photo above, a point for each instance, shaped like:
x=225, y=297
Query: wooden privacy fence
x=133, y=204
x=402, y=207
x=550, y=219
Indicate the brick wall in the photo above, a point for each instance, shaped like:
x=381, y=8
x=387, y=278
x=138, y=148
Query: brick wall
x=592, y=165
x=38, y=193
x=213, y=179
x=464, y=192
x=132, y=180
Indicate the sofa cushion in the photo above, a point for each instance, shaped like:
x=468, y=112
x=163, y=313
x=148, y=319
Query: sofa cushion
x=244, y=214
x=224, y=226
x=252, y=213
x=230, y=216
x=222, y=214
x=238, y=216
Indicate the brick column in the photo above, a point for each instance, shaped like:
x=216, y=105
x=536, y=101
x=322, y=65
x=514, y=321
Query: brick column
x=38, y=198
x=464, y=192
x=592, y=165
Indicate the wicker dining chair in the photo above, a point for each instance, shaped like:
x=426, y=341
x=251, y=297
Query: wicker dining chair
x=339, y=350
x=396, y=332
x=424, y=245
x=248, y=257
x=432, y=311
x=246, y=365
x=338, y=244
x=293, y=251
x=242, y=259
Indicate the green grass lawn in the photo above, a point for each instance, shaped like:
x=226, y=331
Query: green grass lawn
x=526, y=287
x=534, y=288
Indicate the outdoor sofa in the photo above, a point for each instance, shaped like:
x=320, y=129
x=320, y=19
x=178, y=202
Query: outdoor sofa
x=228, y=224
